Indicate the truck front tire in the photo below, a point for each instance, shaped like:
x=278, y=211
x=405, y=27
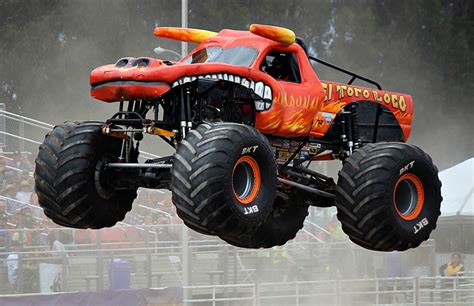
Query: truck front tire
x=69, y=177
x=223, y=179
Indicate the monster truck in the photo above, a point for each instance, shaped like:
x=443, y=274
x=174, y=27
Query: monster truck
x=246, y=114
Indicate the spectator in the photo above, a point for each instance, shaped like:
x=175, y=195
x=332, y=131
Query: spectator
x=153, y=199
x=277, y=265
x=57, y=248
x=165, y=204
x=165, y=232
x=13, y=206
x=37, y=210
x=24, y=194
x=31, y=158
x=41, y=235
x=453, y=268
x=3, y=206
x=4, y=236
x=2, y=173
x=20, y=162
x=147, y=226
x=133, y=218
x=27, y=220
x=148, y=220
x=11, y=178
x=21, y=236
x=335, y=228
x=12, y=263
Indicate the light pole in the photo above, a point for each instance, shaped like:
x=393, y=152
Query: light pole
x=184, y=24
x=184, y=233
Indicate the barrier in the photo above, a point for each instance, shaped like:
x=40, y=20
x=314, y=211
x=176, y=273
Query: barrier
x=25, y=122
x=151, y=257
x=340, y=292
x=2, y=126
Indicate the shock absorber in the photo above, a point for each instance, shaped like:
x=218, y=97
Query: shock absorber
x=184, y=111
x=350, y=129
x=346, y=132
x=355, y=125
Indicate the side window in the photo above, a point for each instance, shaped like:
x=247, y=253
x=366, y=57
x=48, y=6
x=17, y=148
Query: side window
x=282, y=66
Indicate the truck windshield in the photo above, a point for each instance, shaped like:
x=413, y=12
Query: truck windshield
x=239, y=56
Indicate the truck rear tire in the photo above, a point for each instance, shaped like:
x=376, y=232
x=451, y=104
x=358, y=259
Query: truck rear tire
x=282, y=225
x=223, y=179
x=388, y=196
x=69, y=177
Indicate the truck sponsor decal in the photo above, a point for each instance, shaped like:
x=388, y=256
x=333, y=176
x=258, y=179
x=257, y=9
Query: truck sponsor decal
x=407, y=167
x=397, y=101
x=418, y=226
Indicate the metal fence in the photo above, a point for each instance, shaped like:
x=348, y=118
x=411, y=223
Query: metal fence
x=156, y=254
x=378, y=291
x=21, y=133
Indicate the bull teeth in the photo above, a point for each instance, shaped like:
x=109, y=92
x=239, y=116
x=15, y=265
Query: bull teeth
x=268, y=93
x=259, y=106
x=259, y=89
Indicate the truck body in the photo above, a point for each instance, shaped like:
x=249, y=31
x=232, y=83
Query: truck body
x=245, y=114
x=304, y=106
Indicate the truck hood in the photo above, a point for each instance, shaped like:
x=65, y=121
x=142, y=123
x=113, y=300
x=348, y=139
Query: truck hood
x=148, y=78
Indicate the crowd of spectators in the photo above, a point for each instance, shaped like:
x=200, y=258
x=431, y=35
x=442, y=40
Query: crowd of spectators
x=25, y=230
x=22, y=221
x=19, y=209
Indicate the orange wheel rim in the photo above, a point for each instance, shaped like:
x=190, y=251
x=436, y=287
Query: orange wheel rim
x=408, y=196
x=246, y=179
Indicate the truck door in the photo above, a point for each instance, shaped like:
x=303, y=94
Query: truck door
x=298, y=98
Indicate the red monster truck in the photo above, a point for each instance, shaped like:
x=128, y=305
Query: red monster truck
x=246, y=114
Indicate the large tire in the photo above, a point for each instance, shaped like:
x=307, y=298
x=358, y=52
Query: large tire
x=69, y=177
x=217, y=179
x=388, y=196
x=282, y=225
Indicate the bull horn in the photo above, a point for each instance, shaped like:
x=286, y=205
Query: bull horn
x=281, y=35
x=184, y=34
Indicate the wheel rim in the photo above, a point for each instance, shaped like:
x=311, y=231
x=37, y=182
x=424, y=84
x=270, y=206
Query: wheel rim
x=102, y=179
x=408, y=196
x=246, y=179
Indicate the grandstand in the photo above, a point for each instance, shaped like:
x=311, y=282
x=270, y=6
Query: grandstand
x=161, y=253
